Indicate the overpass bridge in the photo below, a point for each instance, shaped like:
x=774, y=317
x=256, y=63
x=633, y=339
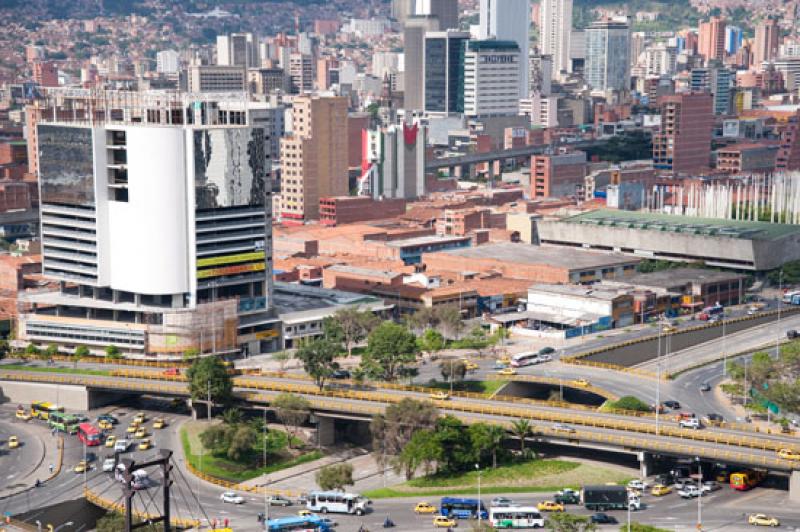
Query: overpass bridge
x=584, y=427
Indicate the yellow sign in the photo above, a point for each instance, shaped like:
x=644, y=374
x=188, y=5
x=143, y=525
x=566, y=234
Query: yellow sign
x=262, y=335
x=231, y=270
x=230, y=259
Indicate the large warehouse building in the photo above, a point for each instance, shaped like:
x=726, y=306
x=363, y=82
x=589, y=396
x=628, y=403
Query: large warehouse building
x=742, y=245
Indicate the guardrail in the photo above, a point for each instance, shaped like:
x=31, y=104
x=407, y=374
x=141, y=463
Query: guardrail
x=93, y=359
x=114, y=506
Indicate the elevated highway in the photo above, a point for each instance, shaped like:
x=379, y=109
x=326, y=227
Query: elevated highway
x=501, y=155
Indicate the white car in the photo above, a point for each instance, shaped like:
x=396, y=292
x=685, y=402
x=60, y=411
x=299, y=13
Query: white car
x=710, y=485
x=108, y=465
x=231, y=497
x=691, y=423
x=638, y=485
x=545, y=358
x=120, y=446
x=690, y=492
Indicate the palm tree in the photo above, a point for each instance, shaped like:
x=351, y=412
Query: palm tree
x=232, y=416
x=522, y=429
x=496, y=435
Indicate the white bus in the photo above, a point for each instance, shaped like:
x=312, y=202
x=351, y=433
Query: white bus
x=508, y=517
x=337, y=501
x=524, y=359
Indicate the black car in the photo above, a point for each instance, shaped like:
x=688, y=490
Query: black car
x=705, y=387
x=675, y=405
x=604, y=519
x=715, y=417
x=546, y=350
x=107, y=417
x=792, y=334
x=340, y=374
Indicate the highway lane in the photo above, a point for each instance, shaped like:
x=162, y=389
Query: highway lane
x=18, y=465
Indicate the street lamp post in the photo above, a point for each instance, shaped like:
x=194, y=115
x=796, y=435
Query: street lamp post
x=700, y=495
x=780, y=304
x=478, y=468
x=266, y=502
x=658, y=380
x=724, y=347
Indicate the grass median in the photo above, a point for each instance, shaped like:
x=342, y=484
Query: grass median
x=485, y=387
x=524, y=477
x=52, y=369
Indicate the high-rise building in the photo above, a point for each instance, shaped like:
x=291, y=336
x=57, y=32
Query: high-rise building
x=767, y=41
x=717, y=80
x=491, y=78
x=214, y=78
x=402, y=9
x=444, y=10
x=789, y=68
x=660, y=60
x=541, y=76
x=314, y=156
x=414, y=59
x=237, y=49
x=555, y=32
x=444, y=71
x=301, y=72
x=45, y=73
x=168, y=62
x=733, y=39
x=509, y=20
x=711, y=37
x=608, y=49
x=268, y=80
x=393, y=162
x=683, y=141
x=155, y=218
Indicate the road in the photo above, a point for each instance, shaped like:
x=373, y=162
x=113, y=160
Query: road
x=18, y=465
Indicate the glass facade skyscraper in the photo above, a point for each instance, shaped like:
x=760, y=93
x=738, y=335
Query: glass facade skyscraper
x=608, y=49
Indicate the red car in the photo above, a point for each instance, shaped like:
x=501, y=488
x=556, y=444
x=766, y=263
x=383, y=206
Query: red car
x=173, y=372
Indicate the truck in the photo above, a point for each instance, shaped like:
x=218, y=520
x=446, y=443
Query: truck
x=607, y=497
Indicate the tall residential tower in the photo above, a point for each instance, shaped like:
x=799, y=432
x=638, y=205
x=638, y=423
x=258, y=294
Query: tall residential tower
x=555, y=29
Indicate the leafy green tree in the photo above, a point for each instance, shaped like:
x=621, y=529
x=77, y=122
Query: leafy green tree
x=564, y=522
x=457, y=452
x=629, y=402
x=282, y=357
x=335, y=477
x=319, y=359
x=242, y=441
x=392, y=431
x=332, y=330
x=389, y=348
x=191, y=353
x=423, y=450
x=453, y=370
x=31, y=349
x=292, y=410
x=431, y=342
x=80, y=352
x=639, y=527
x=51, y=351
x=113, y=352
x=232, y=416
x=353, y=326
x=216, y=437
x=423, y=319
x=4, y=347
x=209, y=374
x=521, y=428
x=487, y=440
x=449, y=319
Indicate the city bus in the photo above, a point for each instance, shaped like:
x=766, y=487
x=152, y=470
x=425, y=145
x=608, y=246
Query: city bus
x=43, y=409
x=337, y=502
x=510, y=517
x=63, y=422
x=297, y=524
x=462, y=508
x=89, y=434
x=745, y=480
x=524, y=359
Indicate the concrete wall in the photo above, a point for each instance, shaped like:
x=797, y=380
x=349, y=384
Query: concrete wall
x=70, y=397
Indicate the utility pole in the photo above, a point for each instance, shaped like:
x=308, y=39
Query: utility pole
x=700, y=495
x=780, y=304
x=658, y=380
x=266, y=502
x=478, y=468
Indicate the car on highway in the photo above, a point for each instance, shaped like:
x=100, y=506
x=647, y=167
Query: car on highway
x=713, y=418
x=107, y=417
x=139, y=418
x=762, y=520
x=141, y=432
x=690, y=491
x=681, y=483
x=669, y=328
x=659, y=490
x=13, y=442
x=172, y=372
x=792, y=334
x=278, y=500
x=81, y=467
x=567, y=496
x=108, y=464
x=638, y=485
x=603, y=519
x=144, y=444
x=505, y=360
x=550, y=506
x=442, y=521
x=502, y=502
x=132, y=428
x=583, y=383
x=105, y=425
x=561, y=427
x=705, y=387
x=111, y=440
x=674, y=405
x=439, y=396
x=691, y=423
x=22, y=414
x=710, y=485
x=788, y=454
x=425, y=508
x=120, y=446
x=507, y=371
x=469, y=365
x=159, y=423
x=231, y=497
x=340, y=374
x=546, y=351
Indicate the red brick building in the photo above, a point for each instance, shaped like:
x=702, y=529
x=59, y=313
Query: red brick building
x=747, y=157
x=336, y=210
x=683, y=142
x=557, y=175
x=45, y=73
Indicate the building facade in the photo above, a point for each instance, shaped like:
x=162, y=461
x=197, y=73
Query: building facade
x=555, y=30
x=393, y=163
x=237, y=49
x=683, y=142
x=491, y=78
x=212, y=78
x=444, y=71
x=608, y=47
x=509, y=20
x=767, y=41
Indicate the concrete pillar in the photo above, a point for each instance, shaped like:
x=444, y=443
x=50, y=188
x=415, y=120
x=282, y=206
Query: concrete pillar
x=645, y=464
x=451, y=171
x=794, y=486
x=326, y=431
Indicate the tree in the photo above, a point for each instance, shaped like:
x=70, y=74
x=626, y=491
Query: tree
x=114, y=522
x=392, y=431
x=242, y=442
x=113, y=352
x=457, y=452
x=639, y=527
x=80, y=352
x=629, y=402
x=208, y=375
x=292, y=410
x=319, y=359
x=31, y=349
x=449, y=317
x=453, y=370
x=431, y=342
x=354, y=326
x=282, y=357
x=51, y=351
x=423, y=319
x=232, y=416
x=422, y=451
x=216, y=437
x=191, y=353
x=487, y=440
x=564, y=522
x=335, y=477
x=389, y=347
x=521, y=428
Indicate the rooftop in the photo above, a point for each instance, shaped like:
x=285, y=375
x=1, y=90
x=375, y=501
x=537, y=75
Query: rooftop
x=686, y=224
x=576, y=291
x=425, y=240
x=293, y=298
x=365, y=272
x=678, y=276
x=559, y=257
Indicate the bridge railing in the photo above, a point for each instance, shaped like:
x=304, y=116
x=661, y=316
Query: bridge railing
x=113, y=506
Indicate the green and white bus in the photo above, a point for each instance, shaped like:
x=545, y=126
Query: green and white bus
x=515, y=517
x=63, y=422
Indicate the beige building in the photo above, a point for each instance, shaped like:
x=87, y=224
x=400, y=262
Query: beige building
x=314, y=157
x=216, y=78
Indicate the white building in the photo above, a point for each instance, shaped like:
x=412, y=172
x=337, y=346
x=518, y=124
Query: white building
x=541, y=75
x=660, y=60
x=491, y=78
x=237, y=49
x=508, y=20
x=394, y=158
x=168, y=62
x=555, y=30
x=608, y=48
x=367, y=27
x=215, y=78
x=542, y=110
x=156, y=222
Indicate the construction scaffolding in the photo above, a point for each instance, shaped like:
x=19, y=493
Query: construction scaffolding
x=209, y=328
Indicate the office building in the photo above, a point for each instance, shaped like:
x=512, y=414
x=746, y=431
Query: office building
x=268, y=80
x=683, y=142
x=402, y=9
x=733, y=39
x=717, y=80
x=168, y=62
x=301, y=72
x=155, y=216
x=213, y=78
x=393, y=162
x=45, y=73
x=789, y=69
x=313, y=157
x=608, y=48
x=446, y=11
x=711, y=39
x=414, y=59
x=542, y=110
x=444, y=71
x=509, y=20
x=237, y=49
x=491, y=78
x=555, y=33
x=541, y=75
x=767, y=40
x=660, y=60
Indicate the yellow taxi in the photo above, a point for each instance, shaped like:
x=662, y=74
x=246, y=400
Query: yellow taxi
x=505, y=359
x=304, y=513
x=105, y=424
x=469, y=365
x=139, y=418
x=788, y=454
x=762, y=520
x=13, y=442
x=669, y=329
x=440, y=396
x=507, y=371
x=581, y=382
x=111, y=440
x=440, y=521
x=159, y=423
x=424, y=508
x=550, y=506
x=140, y=433
x=81, y=467
x=145, y=444
x=660, y=490
x=132, y=428
x=22, y=414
